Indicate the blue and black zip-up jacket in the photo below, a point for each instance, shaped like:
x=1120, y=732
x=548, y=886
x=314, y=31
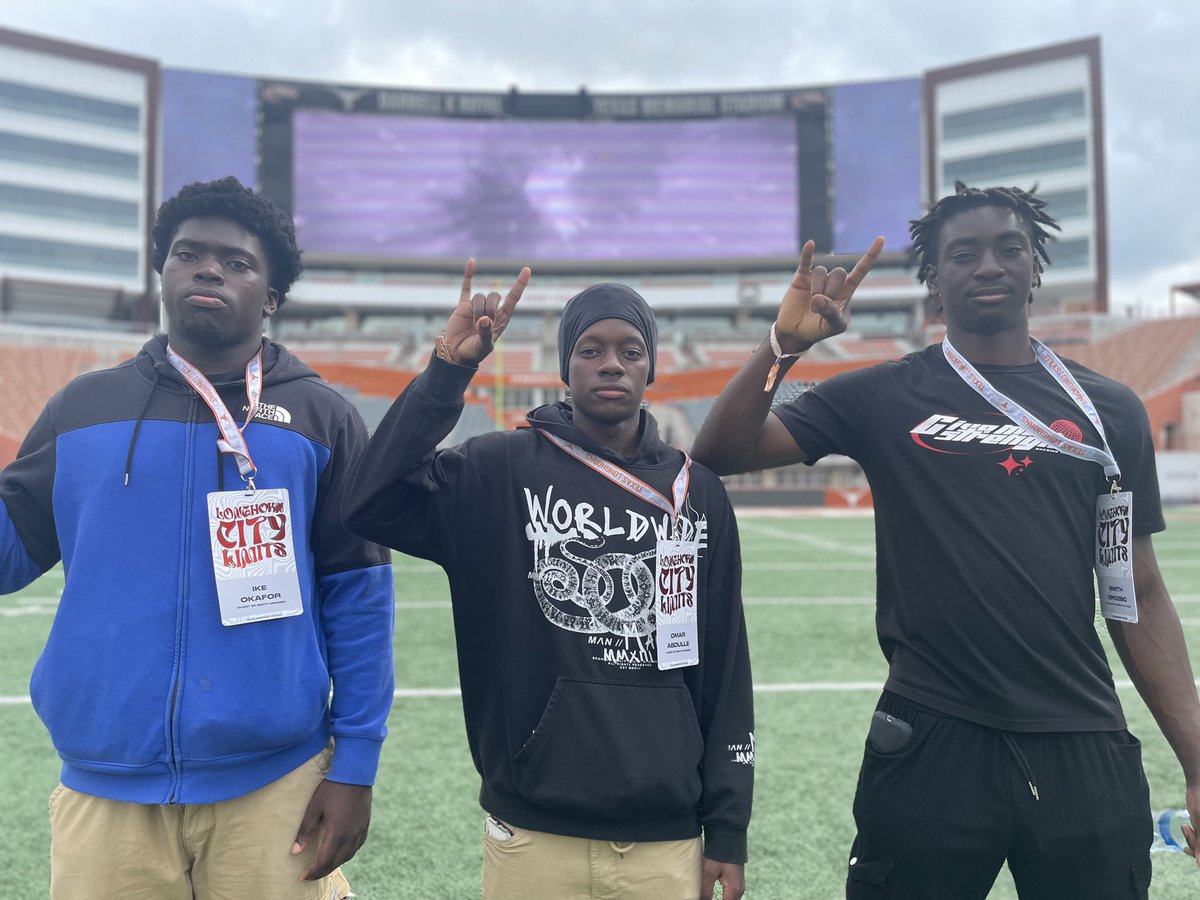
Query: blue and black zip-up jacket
x=147, y=696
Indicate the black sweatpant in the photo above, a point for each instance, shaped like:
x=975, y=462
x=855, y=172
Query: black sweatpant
x=938, y=816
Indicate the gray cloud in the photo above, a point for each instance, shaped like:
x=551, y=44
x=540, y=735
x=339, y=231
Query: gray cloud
x=1151, y=77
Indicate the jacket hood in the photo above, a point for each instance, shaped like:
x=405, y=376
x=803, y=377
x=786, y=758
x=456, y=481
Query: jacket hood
x=558, y=419
x=279, y=365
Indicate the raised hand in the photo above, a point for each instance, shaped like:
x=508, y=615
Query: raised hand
x=478, y=320
x=816, y=305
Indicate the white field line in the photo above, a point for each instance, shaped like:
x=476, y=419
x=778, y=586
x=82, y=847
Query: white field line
x=749, y=566
x=46, y=606
x=792, y=566
x=784, y=566
x=795, y=687
x=750, y=513
x=867, y=552
x=757, y=567
x=863, y=600
x=420, y=567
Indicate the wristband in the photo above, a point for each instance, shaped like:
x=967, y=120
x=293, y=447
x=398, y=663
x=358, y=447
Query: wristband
x=780, y=356
x=441, y=350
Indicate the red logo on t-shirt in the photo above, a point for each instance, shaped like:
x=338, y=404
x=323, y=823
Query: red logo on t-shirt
x=944, y=433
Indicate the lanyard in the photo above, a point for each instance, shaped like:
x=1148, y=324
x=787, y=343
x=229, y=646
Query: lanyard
x=1020, y=416
x=631, y=483
x=232, y=440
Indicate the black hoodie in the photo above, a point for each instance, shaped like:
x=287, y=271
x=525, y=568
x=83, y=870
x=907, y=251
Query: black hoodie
x=573, y=728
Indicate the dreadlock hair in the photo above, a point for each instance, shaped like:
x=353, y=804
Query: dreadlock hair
x=229, y=198
x=1029, y=208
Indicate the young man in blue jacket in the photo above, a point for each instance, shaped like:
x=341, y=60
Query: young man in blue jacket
x=212, y=596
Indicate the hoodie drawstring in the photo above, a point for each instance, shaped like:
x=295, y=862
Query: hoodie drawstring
x=1022, y=763
x=137, y=426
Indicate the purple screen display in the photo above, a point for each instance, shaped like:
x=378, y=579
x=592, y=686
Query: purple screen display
x=209, y=128
x=876, y=163
x=390, y=186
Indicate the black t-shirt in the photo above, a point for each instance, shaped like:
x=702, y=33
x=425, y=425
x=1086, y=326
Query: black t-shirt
x=984, y=536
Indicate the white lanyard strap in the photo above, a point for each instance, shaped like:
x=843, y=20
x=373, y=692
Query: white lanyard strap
x=1020, y=416
x=232, y=439
x=631, y=483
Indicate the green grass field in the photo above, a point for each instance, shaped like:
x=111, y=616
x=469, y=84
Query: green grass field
x=809, y=586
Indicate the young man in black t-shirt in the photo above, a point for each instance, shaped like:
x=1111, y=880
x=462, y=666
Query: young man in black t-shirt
x=999, y=735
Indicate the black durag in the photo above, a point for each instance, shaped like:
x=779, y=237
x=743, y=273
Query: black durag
x=605, y=301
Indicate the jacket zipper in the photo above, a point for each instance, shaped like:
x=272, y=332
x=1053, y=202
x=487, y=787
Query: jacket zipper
x=181, y=610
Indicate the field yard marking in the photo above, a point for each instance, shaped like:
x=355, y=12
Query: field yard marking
x=43, y=605
x=10, y=612
x=820, y=564
x=807, y=566
x=811, y=540
x=409, y=693
x=848, y=600
x=818, y=687
x=844, y=600
x=794, y=687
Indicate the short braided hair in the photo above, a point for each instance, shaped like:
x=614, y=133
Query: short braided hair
x=1029, y=208
x=229, y=198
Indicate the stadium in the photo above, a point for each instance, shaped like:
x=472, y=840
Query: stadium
x=700, y=201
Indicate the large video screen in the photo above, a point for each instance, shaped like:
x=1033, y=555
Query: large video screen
x=208, y=128
x=407, y=187
x=876, y=163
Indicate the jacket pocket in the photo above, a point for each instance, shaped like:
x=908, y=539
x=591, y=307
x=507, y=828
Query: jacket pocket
x=613, y=750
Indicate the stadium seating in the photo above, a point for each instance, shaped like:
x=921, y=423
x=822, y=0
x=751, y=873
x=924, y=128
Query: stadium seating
x=1150, y=356
x=1147, y=356
x=29, y=376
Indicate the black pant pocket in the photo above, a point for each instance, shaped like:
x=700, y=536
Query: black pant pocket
x=866, y=874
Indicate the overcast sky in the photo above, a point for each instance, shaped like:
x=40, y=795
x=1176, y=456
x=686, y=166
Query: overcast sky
x=1150, y=57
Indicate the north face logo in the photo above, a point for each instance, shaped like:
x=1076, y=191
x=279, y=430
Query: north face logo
x=269, y=412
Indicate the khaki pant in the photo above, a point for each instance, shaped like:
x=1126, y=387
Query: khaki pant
x=532, y=864
x=238, y=849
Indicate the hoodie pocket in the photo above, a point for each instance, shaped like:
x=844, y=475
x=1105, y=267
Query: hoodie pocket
x=613, y=750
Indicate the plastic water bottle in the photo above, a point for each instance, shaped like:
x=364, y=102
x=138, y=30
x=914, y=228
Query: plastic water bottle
x=1168, y=831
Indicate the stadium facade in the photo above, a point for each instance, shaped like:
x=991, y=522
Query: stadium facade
x=700, y=200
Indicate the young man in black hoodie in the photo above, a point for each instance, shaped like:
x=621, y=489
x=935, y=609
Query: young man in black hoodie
x=596, y=583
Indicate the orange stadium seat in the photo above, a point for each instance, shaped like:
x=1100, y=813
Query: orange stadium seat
x=1147, y=356
x=29, y=376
